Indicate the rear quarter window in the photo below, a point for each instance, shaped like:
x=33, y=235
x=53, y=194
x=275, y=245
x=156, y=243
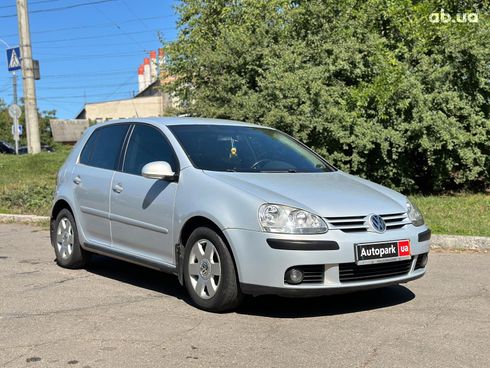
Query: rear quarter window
x=103, y=148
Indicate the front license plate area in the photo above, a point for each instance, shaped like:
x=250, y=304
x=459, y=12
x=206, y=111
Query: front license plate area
x=369, y=253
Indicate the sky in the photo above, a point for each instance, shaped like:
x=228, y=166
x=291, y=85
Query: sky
x=88, y=50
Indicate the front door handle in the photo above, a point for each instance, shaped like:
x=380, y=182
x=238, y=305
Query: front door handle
x=77, y=180
x=117, y=188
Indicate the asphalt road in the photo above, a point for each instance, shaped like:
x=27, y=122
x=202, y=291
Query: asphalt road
x=120, y=315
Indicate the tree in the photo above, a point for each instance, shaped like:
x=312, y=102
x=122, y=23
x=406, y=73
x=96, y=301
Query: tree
x=6, y=125
x=374, y=86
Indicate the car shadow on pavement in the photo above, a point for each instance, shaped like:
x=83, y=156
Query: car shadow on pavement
x=138, y=276
x=265, y=306
x=279, y=307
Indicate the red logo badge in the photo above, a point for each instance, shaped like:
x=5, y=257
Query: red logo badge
x=403, y=248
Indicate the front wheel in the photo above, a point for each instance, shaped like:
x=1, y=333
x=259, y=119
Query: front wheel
x=209, y=272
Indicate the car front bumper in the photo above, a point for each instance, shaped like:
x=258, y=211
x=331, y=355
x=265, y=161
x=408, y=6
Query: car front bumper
x=261, y=264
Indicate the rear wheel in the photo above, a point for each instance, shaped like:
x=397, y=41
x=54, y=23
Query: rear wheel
x=209, y=272
x=64, y=238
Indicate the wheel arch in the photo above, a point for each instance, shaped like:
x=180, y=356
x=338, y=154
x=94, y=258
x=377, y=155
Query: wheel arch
x=58, y=206
x=189, y=226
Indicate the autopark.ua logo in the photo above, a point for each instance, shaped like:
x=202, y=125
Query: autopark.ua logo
x=443, y=17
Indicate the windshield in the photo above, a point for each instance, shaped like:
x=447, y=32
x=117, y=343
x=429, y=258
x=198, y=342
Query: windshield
x=245, y=149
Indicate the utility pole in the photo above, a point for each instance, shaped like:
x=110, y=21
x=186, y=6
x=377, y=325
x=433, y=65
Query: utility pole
x=30, y=103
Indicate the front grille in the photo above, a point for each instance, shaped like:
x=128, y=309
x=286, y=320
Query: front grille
x=351, y=272
x=352, y=224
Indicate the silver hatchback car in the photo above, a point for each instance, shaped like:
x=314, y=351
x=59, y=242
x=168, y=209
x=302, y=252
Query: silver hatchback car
x=231, y=209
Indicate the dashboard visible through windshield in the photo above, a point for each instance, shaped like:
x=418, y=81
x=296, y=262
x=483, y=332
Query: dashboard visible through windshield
x=246, y=149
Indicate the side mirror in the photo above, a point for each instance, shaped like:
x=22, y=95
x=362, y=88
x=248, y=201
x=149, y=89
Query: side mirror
x=157, y=170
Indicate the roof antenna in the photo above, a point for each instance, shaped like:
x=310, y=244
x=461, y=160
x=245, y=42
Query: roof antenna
x=134, y=107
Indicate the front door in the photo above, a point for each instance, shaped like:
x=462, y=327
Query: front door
x=141, y=208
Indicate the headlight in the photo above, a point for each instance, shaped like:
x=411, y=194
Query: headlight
x=414, y=214
x=275, y=218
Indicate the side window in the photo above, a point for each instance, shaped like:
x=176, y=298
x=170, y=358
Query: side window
x=88, y=148
x=103, y=147
x=147, y=144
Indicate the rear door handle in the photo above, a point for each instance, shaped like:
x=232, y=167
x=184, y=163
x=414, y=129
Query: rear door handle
x=117, y=188
x=77, y=180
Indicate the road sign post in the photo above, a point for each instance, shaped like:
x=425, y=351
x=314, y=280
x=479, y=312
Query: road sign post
x=15, y=112
x=14, y=63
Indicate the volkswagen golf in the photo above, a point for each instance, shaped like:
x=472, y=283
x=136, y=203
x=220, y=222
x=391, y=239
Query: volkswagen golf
x=231, y=209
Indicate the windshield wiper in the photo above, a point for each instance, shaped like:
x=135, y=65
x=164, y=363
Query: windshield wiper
x=279, y=171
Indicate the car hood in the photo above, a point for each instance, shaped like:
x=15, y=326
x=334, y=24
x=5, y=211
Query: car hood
x=333, y=194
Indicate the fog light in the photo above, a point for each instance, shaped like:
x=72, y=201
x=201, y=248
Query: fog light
x=294, y=276
x=423, y=260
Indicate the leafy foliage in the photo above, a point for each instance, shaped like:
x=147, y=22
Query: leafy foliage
x=6, y=125
x=374, y=86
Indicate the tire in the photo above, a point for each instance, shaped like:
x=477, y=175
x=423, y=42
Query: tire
x=209, y=272
x=65, y=241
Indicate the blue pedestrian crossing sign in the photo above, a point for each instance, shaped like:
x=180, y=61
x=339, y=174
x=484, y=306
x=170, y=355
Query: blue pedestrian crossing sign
x=13, y=59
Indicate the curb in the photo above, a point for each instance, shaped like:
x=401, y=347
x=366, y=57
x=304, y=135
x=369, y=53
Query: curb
x=9, y=218
x=460, y=242
x=437, y=241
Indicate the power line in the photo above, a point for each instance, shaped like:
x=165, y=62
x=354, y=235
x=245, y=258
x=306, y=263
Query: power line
x=99, y=73
x=128, y=35
x=86, y=57
x=118, y=88
x=62, y=81
x=134, y=14
x=64, y=97
x=96, y=86
x=55, y=104
x=77, y=45
x=31, y=3
x=8, y=87
x=62, y=8
x=94, y=37
x=98, y=25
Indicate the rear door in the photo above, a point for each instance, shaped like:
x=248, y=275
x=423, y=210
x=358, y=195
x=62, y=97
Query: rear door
x=91, y=180
x=141, y=208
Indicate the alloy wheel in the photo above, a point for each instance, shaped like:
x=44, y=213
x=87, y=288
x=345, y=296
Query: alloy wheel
x=204, y=268
x=65, y=238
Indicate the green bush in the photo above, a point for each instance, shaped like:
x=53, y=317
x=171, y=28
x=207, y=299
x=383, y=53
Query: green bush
x=374, y=86
x=6, y=125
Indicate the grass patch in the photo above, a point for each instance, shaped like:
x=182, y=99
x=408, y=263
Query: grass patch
x=27, y=182
x=460, y=214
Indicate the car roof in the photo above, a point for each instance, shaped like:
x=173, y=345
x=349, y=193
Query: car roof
x=170, y=121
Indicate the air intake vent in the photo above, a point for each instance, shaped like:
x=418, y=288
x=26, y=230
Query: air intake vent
x=349, y=272
x=421, y=261
x=313, y=274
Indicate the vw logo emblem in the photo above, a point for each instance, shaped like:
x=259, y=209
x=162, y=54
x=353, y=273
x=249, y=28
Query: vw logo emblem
x=377, y=223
